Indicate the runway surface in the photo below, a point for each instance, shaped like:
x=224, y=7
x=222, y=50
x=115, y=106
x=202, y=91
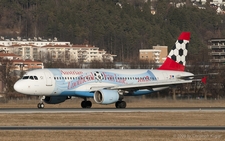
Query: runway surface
x=208, y=128
x=95, y=110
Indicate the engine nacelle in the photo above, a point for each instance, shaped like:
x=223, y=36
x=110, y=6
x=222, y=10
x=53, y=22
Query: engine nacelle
x=55, y=99
x=106, y=96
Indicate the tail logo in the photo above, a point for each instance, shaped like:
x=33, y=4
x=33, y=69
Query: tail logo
x=176, y=60
x=179, y=52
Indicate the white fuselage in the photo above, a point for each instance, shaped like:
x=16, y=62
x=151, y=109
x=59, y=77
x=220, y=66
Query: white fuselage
x=83, y=82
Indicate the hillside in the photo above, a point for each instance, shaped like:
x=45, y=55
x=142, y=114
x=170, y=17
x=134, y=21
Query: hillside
x=121, y=30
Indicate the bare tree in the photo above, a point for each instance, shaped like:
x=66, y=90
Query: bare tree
x=7, y=76
x=142, y=64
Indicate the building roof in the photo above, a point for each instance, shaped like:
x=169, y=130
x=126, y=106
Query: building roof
x=22, y=45
x=68, y=46
x=217, y=39
x=8, y=55
x=26, y=61
x=82, y=45
x=52, y=45
x=149, y=50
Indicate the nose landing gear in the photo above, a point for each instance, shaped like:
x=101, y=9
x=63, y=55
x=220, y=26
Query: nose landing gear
x=41, y=105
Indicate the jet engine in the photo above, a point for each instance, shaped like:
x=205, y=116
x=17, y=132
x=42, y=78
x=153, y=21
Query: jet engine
x=55, y=99
x=106, y=96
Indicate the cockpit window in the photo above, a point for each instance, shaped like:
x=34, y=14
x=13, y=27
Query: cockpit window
x=30, y=77
x=25, y=77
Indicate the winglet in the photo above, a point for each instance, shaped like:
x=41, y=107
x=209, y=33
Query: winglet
x=204, y=79
x=176, y=59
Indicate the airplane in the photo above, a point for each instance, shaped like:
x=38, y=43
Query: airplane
x=106, y=86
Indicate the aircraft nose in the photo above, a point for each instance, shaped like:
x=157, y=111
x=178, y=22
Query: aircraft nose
x=18, y=87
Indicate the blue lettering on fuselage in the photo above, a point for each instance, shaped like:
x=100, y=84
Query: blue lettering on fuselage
x=67, y=84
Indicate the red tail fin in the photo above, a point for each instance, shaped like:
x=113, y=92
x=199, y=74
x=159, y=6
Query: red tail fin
x=176, y=59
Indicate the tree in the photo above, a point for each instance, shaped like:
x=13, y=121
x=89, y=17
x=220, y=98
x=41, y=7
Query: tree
x=7, y=76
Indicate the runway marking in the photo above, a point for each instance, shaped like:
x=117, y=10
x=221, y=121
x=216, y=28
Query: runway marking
x=110, y=110
x=211, y=128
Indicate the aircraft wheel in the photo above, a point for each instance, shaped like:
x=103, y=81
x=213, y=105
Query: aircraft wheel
x=117, y=104
x=120, y=104
x=123, y=104
x=83, y=104
x=40, y=105
x=86, y=104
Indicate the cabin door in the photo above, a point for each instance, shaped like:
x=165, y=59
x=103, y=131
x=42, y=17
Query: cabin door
x=48, y=78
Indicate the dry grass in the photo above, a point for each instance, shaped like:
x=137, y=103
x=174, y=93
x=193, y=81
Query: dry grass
x=111, y=135
x=115, y=119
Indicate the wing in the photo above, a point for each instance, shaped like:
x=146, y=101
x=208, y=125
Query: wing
x=150, y=85
x=143, y=85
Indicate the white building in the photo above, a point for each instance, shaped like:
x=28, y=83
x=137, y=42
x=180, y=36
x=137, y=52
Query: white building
x=218, y=2
x=158, y=54
x=46, y=50
x=74, y=53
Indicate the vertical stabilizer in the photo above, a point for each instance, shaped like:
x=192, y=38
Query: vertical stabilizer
x=176, y=59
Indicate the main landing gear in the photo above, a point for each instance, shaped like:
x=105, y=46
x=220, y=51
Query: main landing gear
x=120, y=104
x=86, y=103
x=41, y=105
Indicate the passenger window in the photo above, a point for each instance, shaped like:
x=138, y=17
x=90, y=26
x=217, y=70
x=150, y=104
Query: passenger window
x=35, y=77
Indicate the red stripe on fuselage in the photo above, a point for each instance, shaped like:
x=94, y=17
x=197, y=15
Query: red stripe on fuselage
x=170, y=64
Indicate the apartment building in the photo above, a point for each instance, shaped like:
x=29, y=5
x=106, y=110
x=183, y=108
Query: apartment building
x=217, y=2
x=74, y=53
x=18, y=64
x=52, y=50
x=217, y=51
x=157, y=54
x=9, y=56
x=25, y=65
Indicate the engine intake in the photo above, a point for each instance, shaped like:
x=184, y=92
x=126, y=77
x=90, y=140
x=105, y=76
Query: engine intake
x=106, y=96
